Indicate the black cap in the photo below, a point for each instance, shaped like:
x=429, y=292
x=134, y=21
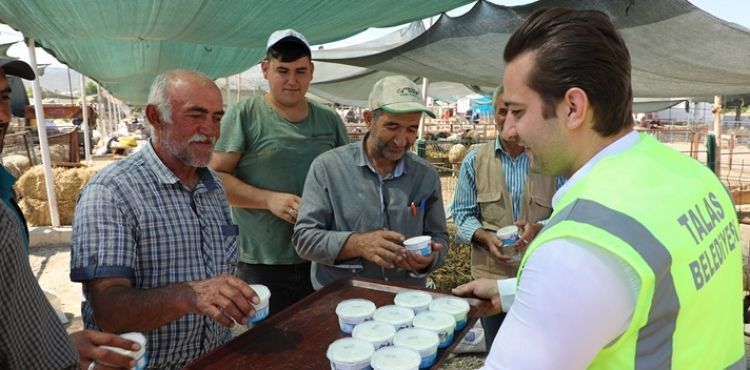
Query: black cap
x=16, y=67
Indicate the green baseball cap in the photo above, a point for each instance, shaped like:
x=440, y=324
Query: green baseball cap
x=397, y=94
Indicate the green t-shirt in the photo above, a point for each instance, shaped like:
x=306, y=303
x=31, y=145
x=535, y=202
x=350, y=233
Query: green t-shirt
x=276, y=155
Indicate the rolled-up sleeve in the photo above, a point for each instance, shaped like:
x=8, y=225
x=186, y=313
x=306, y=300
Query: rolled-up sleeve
x=313, y=237
x=103, y=240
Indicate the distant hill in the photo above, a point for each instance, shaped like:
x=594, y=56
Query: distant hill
x=55, y=78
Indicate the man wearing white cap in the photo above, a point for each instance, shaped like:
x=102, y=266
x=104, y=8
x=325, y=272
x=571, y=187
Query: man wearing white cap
x=265, y=149
x=361, y=201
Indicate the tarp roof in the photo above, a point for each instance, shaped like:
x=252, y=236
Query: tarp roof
x=676, y=48
x=125, y=44
x=350, y=85
x=649, y=106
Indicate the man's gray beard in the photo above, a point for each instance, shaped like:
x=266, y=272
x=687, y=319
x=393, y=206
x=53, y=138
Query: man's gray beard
x=184, y=156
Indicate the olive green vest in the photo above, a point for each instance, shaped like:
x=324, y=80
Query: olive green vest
x=673, y=222
x=496, y=210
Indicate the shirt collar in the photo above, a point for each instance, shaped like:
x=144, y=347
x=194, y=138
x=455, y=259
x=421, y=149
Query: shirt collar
x=165, y=176
x=618, y=146
x=362, y=160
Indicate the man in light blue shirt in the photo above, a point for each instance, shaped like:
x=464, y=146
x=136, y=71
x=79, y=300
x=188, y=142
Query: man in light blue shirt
x=495, y=189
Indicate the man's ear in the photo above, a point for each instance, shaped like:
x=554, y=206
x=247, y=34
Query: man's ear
x=154, y=116
x=312, y=68
x=367, y=115
x=576, y=107
x=264, y=65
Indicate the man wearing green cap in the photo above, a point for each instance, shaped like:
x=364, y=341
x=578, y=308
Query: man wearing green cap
x=361, y=201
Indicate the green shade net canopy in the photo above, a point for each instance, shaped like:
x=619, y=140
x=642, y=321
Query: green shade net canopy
x=124, y=44
x=677, y=50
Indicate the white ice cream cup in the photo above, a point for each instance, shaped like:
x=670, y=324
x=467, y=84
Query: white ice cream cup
x=140, y=357
x=261, y=309
x=399, y=317
x=418, y=301
x=508, y=235
x=454, y=306
x=421, y=245
x=440, y=323
x=350, y=354
x=423, y=341
x=395, y=358
x=352, y=312
x=380, y=334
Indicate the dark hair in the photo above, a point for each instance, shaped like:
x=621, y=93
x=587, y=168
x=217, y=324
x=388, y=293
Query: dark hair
x=376, y=113
x=287, y=51
x=577, y=48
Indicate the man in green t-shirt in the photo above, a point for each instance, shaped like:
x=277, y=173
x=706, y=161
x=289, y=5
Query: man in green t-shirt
x=263, y=154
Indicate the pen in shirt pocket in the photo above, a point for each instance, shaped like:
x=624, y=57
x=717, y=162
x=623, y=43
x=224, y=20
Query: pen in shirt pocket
x=414, y=207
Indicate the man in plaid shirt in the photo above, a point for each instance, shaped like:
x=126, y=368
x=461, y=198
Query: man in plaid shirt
x=153, y=242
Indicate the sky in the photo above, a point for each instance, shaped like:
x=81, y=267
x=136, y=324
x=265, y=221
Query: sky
x=737, y=11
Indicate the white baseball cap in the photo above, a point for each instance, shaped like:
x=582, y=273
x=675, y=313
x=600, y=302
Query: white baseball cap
x=287, y=35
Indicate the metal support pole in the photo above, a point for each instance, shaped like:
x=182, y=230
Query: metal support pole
x=85, y=123
x=43, y=146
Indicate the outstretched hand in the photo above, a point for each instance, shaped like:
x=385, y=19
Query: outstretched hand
x=482, y=289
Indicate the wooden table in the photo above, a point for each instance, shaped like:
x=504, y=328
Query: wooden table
x=298, y=337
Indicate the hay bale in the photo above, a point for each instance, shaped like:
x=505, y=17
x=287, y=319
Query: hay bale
x=31, y=184
x=36, y=211
x=70, y=182
x=457, y=153
x=16, y=164
x=33, y=194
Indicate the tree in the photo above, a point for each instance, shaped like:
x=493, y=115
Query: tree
x=91, y=88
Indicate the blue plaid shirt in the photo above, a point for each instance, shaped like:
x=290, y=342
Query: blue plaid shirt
x=136, y=220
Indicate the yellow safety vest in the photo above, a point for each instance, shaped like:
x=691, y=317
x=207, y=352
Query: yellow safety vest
x=674, y=223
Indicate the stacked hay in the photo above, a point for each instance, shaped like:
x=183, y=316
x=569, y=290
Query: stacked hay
x=457, y=267
x=16, y=164
x=33, y=195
